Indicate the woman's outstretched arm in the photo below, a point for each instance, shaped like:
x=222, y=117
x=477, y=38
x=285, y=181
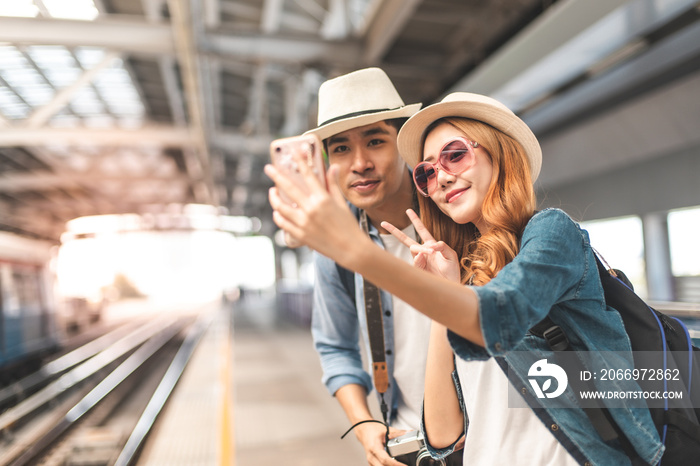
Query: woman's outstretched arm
x=321, y=219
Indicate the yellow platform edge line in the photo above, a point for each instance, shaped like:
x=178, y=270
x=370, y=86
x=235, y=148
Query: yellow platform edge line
x=226, y=450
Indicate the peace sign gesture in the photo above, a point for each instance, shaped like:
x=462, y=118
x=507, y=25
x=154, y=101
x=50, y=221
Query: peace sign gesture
x=434, y=256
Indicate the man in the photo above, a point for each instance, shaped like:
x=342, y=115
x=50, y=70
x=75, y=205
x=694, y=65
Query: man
x=359, y=116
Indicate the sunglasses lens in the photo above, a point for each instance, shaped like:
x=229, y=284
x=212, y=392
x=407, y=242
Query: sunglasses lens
x=423, y=175
x=456, y=156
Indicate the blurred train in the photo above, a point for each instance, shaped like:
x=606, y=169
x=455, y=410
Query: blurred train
x=29, y=320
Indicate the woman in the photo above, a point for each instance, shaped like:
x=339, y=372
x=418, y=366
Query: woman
x=497, y=268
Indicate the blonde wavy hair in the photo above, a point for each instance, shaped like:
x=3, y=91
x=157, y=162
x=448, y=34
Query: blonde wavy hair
x=508, y=206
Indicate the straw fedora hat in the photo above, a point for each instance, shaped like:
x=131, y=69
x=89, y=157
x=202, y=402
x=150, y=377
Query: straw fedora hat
x=356, y=99
x=476, y=107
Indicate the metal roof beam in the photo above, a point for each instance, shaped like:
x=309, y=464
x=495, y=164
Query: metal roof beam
x=238, y=143
x=619, y=85
x=336, y=24
x=166, y=64
x=198, y=166
x=294, y=97
x=642, y=66
x=556, y=26
x=61, y=98
x=127, y=35
x=283, y=49
x=46, y=181
x=388, y=22
x=148, y=136
x=35, y=225
x=272, y=16
x=153, y=9
x=172, y=90
x=212, y=13
x=299, y=93
x=148, y=38
x=240, y=10
x=258, y=119
x=312, y=8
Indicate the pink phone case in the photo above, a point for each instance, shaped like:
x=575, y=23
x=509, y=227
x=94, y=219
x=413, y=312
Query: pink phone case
x=281, y=154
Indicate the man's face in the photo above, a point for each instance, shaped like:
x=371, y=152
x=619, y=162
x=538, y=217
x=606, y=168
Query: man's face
x=370, y=169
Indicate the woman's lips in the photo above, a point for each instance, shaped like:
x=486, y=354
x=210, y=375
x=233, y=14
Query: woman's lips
x=453, y=195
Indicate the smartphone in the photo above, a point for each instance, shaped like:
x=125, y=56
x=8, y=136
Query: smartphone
x=282, y=155
x=309, y=147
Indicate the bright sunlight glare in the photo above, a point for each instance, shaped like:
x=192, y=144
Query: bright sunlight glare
x=683, y=227
x=181, y=266
x=256, y=262
x=620, y=241
x=187, y=259
x=19, y=8
x=71, y=9
x=64, y=9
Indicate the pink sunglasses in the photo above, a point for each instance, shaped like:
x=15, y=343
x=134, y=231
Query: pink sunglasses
x=455, y=157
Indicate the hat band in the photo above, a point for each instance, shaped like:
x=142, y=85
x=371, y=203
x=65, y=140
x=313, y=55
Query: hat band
x=354, y=114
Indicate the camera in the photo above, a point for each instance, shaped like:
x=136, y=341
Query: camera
x=409, y=443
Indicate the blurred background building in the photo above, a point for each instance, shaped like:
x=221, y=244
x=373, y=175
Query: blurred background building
x=133, y=132
x=145, y=106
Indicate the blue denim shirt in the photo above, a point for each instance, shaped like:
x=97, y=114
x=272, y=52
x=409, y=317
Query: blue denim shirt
x=555, y=273
x=338, y=319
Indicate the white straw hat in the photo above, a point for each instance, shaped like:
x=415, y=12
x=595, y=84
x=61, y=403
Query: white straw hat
x=356, y=99
x=476, y=107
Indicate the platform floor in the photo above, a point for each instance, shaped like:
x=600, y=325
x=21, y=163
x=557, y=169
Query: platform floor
x=252, y=396
x=283, y=414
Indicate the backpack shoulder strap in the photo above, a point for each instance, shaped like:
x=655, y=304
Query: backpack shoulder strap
x=599, y=416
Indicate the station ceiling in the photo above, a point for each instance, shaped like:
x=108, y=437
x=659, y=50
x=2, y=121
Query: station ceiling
x=136, y=106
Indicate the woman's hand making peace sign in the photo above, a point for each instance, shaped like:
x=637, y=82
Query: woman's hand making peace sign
x=434, y=256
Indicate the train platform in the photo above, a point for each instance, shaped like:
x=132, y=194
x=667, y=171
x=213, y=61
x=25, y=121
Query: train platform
x=252, y=396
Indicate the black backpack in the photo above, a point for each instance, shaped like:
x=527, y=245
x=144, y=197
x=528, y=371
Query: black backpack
x=649, y=331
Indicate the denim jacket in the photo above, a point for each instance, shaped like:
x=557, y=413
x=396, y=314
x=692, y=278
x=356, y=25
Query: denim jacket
x=555, y=273
x=338, y=319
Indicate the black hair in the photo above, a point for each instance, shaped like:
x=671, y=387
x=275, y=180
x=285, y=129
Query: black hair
x=396, y=123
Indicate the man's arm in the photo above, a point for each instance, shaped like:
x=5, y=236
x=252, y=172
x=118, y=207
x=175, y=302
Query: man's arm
x=353, y=399
x=335, y=329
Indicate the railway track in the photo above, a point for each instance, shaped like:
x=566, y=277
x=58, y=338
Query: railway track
x=96, y=405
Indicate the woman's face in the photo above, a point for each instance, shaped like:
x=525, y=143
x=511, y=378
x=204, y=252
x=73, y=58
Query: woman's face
x=459, y=196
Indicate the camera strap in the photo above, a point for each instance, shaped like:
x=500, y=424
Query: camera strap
x=375, y=330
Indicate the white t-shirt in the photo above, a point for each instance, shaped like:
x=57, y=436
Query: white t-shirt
x=497, y=433
x=411, y=335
